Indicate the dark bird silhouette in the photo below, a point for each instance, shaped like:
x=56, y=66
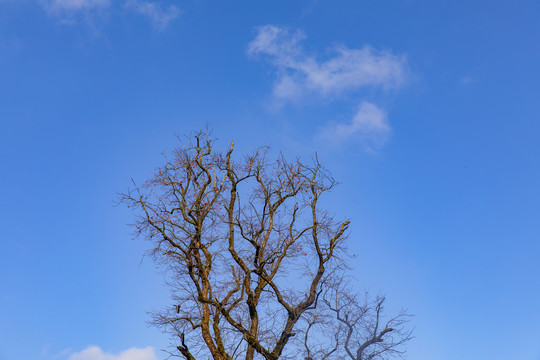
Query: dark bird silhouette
x=177, y=308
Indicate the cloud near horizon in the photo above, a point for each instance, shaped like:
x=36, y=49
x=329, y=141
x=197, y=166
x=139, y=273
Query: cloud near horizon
x=95, y=353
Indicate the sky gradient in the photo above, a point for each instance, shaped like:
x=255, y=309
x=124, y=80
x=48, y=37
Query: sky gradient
x=426, y=112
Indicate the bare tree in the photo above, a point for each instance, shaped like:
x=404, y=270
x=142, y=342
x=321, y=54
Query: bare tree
x=252, y=259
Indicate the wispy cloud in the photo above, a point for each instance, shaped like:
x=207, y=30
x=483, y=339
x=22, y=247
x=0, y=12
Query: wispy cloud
x=369, y=125
x=300, y=74
x=95, y=353
x=71, y=12
x=158, y=15
x=71, y=6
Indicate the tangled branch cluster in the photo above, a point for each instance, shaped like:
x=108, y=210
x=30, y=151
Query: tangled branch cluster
x=255, y=266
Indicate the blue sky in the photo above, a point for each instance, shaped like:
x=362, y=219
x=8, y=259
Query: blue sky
x=427, y=112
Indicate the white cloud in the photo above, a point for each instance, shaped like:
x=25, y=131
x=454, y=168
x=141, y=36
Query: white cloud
x=57, y=6
x=95, y=353
x=300, y=74
x=369, y=125
x=159, y=16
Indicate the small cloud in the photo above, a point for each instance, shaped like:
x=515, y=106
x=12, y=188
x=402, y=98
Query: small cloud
x=159, y=16
x=95, y=353
x=369, y=126
x=299, y=74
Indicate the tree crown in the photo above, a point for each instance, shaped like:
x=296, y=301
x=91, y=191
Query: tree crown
x=253, y=260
